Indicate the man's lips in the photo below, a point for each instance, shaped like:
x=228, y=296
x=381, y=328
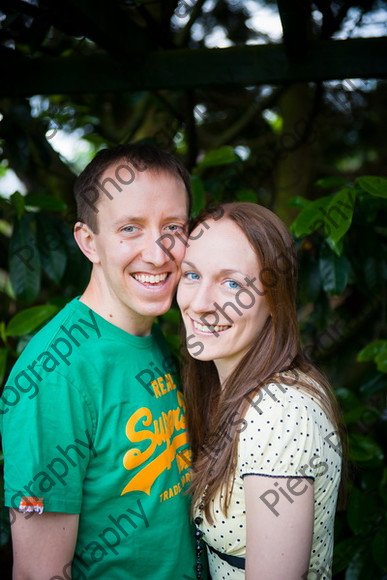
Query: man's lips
x=152, y=279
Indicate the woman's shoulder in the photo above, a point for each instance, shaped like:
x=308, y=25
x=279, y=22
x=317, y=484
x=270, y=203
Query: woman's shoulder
x=290, y=394
x=284, y=427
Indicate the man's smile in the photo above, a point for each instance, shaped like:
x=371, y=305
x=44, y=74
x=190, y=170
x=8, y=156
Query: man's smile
x=151, y=279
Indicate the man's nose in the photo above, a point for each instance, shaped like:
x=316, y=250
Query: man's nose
x=155, y=253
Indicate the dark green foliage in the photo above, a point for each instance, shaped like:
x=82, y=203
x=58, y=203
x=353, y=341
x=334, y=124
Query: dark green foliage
x=339, y=126
x=342, y=273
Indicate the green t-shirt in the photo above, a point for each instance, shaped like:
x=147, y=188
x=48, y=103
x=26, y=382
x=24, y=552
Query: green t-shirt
x=93, y=424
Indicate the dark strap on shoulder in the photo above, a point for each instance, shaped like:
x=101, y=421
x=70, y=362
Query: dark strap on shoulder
x=234, y=561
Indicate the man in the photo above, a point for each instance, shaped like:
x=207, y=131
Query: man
x=94, y=439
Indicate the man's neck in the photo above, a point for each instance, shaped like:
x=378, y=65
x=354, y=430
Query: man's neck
x=131, y=323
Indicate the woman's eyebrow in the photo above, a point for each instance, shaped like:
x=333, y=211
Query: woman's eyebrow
x=226, y=271
x=222, y=272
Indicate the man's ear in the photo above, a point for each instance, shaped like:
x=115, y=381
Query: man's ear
x=85, y=239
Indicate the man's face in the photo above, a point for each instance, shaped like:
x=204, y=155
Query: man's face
x=136, y=277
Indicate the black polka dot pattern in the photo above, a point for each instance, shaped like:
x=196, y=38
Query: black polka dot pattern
x=287, y=434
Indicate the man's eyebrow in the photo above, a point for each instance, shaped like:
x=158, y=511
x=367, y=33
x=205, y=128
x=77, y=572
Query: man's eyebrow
x=141, y=219
x=128, y=219
x=182, y=218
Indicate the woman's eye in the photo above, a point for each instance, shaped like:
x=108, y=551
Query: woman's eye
x=191, y=276
x=232, y=284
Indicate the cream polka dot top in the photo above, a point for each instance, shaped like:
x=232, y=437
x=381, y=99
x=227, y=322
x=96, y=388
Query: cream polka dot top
x=285, y=434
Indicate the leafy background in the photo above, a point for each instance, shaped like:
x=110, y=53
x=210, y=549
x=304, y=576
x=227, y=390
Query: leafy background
x=315, y=153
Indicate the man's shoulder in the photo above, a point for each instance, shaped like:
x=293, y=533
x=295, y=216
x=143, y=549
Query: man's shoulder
x=53, y=356
x=70, y=328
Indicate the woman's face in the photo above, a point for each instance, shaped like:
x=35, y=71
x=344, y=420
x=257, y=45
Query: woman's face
x=220, y=295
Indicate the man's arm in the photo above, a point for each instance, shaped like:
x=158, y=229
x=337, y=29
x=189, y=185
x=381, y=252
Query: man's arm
x=279, y=541
x=43, y=544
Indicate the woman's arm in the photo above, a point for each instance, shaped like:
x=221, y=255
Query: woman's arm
x=279, y=522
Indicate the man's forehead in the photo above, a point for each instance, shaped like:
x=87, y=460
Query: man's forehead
x=122, y=168
x=147, y=200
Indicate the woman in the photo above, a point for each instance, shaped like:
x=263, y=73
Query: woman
x=263, y=422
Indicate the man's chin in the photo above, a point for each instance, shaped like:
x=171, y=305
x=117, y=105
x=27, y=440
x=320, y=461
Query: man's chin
x=157, y=311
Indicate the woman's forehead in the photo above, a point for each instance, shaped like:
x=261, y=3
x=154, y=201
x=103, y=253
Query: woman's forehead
x=221, y=242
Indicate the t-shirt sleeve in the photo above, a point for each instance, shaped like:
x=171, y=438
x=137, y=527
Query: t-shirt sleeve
x=281, y=437
x=47, y=442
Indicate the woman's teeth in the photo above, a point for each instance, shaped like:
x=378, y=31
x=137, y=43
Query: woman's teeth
x=209, y=329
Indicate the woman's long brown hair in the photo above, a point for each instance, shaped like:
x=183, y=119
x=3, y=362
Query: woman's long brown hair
x=215, y=415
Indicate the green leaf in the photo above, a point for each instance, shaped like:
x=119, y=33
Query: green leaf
x=335, y=247
x=343, y=553
x=347, y=398
x=331, y=182
x=309, y=282
x=376, y=384
x=173, y=315
x=381, y=362
x=374, y=185
x=365, y=450
x=222, y=156
x=5, y=228
x=173, y=342
x=29, y=319
x=354, y=510
x=334, y=271
x=17, y=200
x=362, y=415
x=383, y=486
x=377, y=351
x=361, y=510
x=51, y=248
x=247, y=195
x=43, y=201
x=338, y=216
x=311, y=217
x=199, y=194
x=361, y=566
x=298, y=201
x=379, y=549
x=22, y=343
x=3, y=363
x=372, y=350
x=24, y=261
x=333, y=213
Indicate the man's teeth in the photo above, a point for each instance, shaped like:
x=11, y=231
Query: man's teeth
x=209, y=329
x=150, y=278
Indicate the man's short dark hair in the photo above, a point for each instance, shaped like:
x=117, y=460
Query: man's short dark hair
x=128, y=159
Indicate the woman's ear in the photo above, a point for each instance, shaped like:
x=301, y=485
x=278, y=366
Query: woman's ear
x=85, y=239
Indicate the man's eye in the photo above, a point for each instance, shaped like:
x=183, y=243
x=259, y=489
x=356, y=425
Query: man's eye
x=174, y=228
x=130, y=229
